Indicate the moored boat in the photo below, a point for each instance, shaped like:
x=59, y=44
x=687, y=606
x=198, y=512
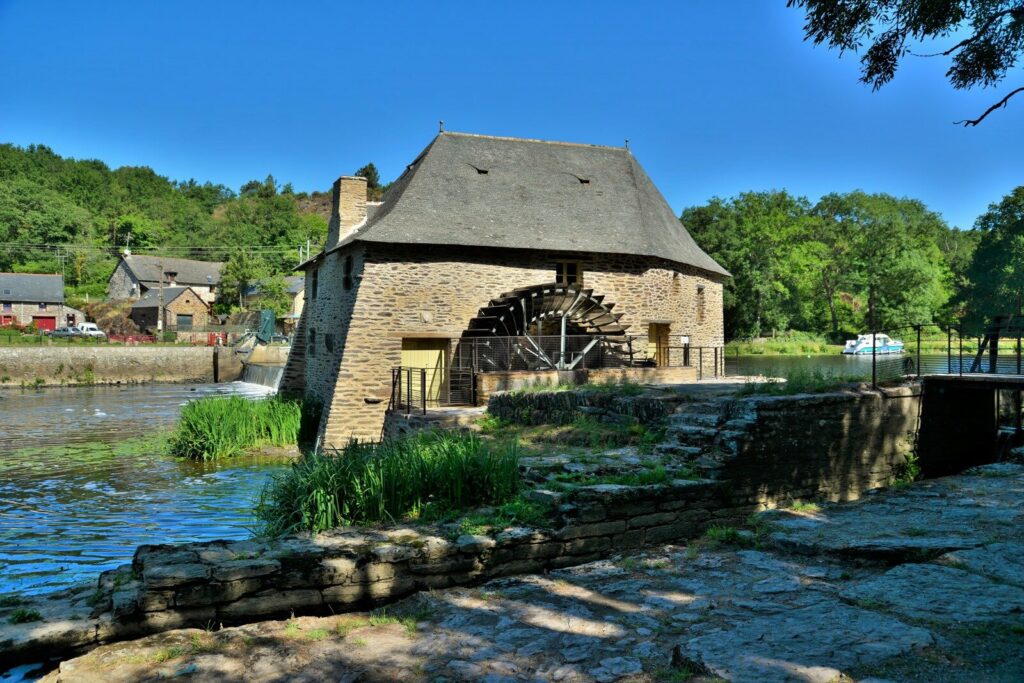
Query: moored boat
x=879, y=343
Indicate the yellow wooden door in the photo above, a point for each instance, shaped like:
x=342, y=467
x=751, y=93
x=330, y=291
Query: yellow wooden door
x=657, y=343
x=432, y=356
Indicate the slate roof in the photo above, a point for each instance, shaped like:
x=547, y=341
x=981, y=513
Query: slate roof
x=32, y=288
x=147, y=269
x=483, y=191
x=151, y=299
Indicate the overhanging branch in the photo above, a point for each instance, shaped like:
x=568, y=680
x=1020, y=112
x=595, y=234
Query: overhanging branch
x=1001, y=103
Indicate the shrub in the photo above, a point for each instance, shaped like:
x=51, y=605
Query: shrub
x=365, y=483
x=223, y=426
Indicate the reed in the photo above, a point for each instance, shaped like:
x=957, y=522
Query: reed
x=365, y=483
x=223, y=426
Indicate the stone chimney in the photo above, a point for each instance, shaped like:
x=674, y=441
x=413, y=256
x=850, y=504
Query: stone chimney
x=348, y=208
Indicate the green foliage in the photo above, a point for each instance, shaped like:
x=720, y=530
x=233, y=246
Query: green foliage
x=995, y=278
x=93, y=212
x=818, y=268
x=516, y=512
x=24, y=616
x=989, y=37
x=907, y=472
x=222, y=426
x=374, y=482
x=800, y=381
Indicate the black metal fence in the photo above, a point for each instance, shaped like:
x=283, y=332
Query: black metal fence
x=578, y=352
x=413, y=390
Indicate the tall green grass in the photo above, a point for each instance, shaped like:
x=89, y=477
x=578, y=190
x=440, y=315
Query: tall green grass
x=364, y=483
x=800, y=381
x=222, y=426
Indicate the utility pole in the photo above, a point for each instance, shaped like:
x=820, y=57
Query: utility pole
x=160, y=305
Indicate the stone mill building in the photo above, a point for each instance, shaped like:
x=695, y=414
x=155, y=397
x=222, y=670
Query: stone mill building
x=492, y=263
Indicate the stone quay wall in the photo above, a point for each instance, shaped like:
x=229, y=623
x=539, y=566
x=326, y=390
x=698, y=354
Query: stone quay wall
x=69, y=365
x=563, y=407
x=232, y=582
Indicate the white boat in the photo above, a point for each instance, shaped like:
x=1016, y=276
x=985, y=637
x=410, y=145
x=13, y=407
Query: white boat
x=880, y=344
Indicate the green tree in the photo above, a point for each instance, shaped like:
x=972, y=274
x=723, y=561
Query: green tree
x=995, y=278
x=752, y=236
x=374, y=190
x=992, y=30
x=241, y=271
x=886, y=252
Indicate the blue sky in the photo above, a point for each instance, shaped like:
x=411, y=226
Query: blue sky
x=715, y=97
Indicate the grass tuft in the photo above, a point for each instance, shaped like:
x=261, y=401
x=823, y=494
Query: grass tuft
x=365, y=483
x=223, y=426
x=24, y=616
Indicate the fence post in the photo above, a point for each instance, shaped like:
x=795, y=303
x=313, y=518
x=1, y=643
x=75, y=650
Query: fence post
x=919, y=351
x=960, y=340
x=423, y=389
x=716, y=362
x=949, y=350
x=700, y=363
x=408, y=391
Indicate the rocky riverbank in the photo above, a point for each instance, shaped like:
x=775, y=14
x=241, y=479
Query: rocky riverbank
x=921, y=583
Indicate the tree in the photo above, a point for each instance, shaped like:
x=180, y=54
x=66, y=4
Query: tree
x=374, y=190
x=993, y=42
x=241, y=271
x=995, y=278
x=751, y=236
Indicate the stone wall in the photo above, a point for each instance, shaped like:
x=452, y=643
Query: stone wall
x=775, y=449
x=563, y=407
x=67, y=364
x=371, y=297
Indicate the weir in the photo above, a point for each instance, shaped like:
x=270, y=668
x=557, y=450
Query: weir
x=265, y=374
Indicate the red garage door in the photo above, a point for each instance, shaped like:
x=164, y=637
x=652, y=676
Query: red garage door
x=45, y=322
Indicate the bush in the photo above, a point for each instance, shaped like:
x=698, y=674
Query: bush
x=223, y=426
x=364, y=483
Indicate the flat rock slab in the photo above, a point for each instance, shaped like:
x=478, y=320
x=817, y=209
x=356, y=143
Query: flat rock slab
x=1003, y=562
x=918, y=523
x=940, y=594
x=814, y=644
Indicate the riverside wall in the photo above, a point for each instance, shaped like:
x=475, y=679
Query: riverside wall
x=64, y=365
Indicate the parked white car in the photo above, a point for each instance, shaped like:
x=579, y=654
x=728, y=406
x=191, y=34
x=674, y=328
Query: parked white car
x=90, y=330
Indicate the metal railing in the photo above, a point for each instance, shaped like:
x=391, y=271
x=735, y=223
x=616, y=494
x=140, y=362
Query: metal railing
x=413, y=390
x=579, y=352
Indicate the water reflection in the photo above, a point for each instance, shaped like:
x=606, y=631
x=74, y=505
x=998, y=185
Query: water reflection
x=81, y=483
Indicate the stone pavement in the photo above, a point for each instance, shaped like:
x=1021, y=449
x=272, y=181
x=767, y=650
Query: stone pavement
x=922, y=583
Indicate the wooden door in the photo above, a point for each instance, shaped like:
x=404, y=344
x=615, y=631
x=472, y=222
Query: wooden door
x=657, y=343
x=432, y=356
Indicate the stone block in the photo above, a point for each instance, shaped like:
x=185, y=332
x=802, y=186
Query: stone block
x=474, y=543
x=585, y=530
x=394, y=553
x=454, y=565
x=215, y=592
x=537, y=550
x=679, y=531
x=581, y=546
x=173, y=575
x=124, y=602
x=269, y=603
x=655, y=519
x=334, y=570
x=632, y=509
x=234, y=570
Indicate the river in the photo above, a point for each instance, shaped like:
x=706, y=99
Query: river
x=81, y=484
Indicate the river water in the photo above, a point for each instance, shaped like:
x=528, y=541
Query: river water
x=81, y=484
